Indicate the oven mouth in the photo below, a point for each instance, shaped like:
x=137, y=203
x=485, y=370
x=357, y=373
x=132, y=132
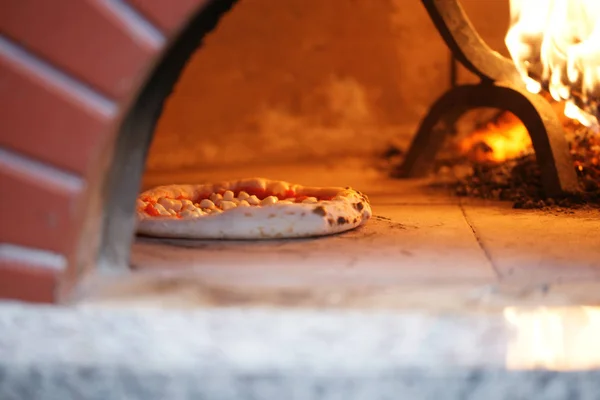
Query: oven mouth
x=114, y=274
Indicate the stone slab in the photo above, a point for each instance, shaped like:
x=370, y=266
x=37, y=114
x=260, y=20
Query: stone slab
x=533, y=247
x=95, y=353
x=402, y=244
x=419, y=251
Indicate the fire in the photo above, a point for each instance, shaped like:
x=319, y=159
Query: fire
x=555, y=45
x=500, y=140
x=554, y=338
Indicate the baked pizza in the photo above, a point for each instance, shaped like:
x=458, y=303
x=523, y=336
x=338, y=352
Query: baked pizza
x=255, y=208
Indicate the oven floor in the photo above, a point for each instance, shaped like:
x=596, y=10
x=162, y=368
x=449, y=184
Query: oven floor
x=424, y=248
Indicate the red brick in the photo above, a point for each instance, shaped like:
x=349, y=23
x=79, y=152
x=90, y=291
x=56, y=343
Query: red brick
x=27, y=282
x=168, y=15
x=46, y=122
x=82, y=37
x=36, y=212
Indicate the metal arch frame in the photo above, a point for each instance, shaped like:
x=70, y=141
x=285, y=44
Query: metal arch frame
x=500, y=87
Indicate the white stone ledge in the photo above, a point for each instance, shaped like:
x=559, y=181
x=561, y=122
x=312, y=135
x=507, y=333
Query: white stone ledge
x=100, y=353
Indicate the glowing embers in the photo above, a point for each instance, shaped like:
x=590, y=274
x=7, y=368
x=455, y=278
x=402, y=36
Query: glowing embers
x=503, y=139
x=553, y=338
x=555, y=44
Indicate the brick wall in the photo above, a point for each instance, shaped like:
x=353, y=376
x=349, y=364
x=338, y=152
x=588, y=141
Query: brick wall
x=68, y=71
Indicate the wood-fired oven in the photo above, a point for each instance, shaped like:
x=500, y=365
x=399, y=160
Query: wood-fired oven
x=318, y=95
x=485, y=195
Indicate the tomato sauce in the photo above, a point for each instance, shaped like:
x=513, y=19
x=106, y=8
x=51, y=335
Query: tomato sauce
x=150, y=210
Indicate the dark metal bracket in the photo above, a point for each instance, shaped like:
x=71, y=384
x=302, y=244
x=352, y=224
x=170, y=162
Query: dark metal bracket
x=500, y=87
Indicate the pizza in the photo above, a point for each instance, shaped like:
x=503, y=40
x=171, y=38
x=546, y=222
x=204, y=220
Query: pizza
x=255, y=208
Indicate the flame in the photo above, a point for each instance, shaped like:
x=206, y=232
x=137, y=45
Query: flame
x=500, y=140
x=556, y=44
x=559, y=339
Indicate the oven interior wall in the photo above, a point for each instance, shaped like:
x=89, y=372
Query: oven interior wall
x=295, y=81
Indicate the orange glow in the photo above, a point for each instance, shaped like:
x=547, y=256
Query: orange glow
x=553, y=338
x=555, y=44
x=504, y=139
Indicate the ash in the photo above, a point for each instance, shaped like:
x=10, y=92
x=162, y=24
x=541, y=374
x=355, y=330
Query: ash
x=519, y=181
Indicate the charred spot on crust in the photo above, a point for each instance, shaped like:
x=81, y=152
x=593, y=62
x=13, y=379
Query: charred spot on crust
x=342, y=220
x=272, y=215
x=355, y=220
x=331, y=221
x=359, y=206
x=320, y=210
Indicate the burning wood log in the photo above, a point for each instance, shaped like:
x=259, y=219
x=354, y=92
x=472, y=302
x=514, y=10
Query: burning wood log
x=518, y=179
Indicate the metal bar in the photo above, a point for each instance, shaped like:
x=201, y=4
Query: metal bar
x=453, y=71
x=466, y=45
x=546, y=132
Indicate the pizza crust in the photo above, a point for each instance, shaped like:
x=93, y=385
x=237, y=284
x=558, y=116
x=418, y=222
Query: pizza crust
x=339, y=209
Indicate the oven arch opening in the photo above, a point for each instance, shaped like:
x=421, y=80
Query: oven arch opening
x=118, y=230
x=126, y=164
